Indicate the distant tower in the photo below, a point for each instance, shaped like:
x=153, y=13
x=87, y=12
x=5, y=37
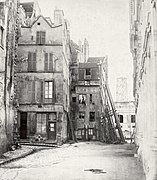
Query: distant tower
x=85, y=50
x=121, y=90
x=58, y=17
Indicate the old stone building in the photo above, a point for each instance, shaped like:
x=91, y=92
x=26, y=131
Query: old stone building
x=86, y=100
x=143, y=41
x=43, y=78
x=8, y=46
x=125, y=109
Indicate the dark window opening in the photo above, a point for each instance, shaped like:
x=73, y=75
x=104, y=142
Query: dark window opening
x=73, y=99
x=132, y=118
x=81, y=115
x=88, y=73
x=120, y=118
x=92, y=116
x=90, y=98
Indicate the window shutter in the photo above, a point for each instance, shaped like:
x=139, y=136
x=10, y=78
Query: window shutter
x=41, y=92
x=46, y=61
x=29, y=61
x=51, y=62
x=38, y=37
x=43, y=37
x=33, y=91
x=94, y=73
x=34, y=62
x=28, y=98
x=81, y=74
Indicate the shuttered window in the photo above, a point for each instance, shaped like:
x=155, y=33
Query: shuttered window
x=31, y=61
x=30, y=91
x=40, y=37
x=48, y=62
x=81, y=74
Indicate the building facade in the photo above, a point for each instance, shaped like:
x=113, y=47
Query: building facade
x=43, y=78
x=8, y=47
x=143, y=41
x=86, y=100
x=125, y=109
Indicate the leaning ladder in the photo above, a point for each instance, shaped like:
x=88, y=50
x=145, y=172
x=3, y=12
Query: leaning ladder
x=109, y=96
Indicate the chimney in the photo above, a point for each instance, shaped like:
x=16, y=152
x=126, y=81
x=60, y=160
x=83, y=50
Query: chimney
x=58, y=17
x=85, y=50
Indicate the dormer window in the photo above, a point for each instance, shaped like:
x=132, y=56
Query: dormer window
x=87, y=73
x=40, y=37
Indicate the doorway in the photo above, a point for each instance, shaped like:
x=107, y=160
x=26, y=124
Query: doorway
x=51, y=130
x=23, y=125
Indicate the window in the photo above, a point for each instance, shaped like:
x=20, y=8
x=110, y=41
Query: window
x=40, y=37
x=31, y=91
x=90, y=131
x=92, y=116
x=82, y=99
x=81, y=115
x=49, y=90
x=90, y=98
x=73, y=99
x=120, y=118
x=31, y=61
x=48, y=65
x=1, y=35
x=88, y=73
x=132, y=118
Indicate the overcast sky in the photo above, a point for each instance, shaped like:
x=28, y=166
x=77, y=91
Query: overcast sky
x=105, y=24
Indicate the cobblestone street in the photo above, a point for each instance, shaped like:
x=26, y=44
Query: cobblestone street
x=81, y=161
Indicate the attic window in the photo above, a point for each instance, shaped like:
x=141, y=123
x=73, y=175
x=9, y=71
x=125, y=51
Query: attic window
x=38, y=23
x=88, y=73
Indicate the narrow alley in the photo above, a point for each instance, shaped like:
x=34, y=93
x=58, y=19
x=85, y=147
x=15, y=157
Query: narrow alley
x=79, y=161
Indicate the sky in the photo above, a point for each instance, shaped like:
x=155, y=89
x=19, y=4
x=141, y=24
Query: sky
x=105, y=24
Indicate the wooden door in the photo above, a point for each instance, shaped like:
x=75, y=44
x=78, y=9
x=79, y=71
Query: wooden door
x=51, y=130
x=23, y=125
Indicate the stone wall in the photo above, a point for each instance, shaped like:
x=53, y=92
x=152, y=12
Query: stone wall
x=144, y=50
x=7, y=60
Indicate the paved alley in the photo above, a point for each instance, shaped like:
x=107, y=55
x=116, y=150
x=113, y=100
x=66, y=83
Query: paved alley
x=81, y=161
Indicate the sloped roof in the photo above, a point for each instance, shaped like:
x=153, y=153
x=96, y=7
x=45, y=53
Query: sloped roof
x=88, y=65
x=48, y=22
x=95, y=59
